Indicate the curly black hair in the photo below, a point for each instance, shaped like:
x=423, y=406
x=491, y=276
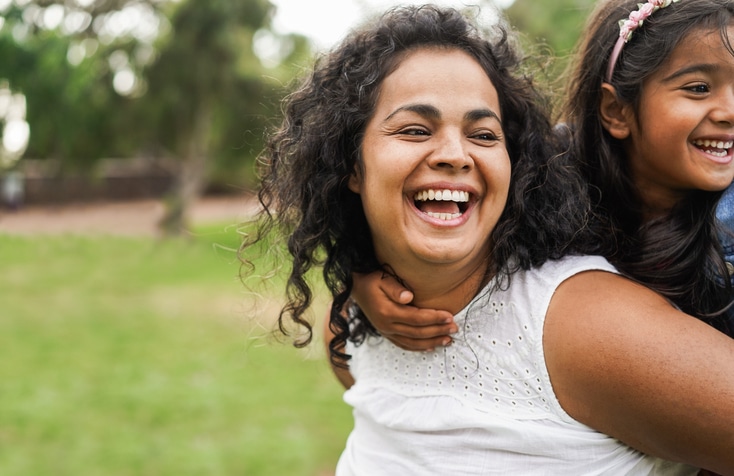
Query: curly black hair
x=309, y=159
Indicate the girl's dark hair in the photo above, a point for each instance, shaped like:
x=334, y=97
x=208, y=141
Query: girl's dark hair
x=679, y=254
x=308, y=161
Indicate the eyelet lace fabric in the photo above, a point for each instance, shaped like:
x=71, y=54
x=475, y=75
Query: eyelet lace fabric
x=483, y=405
x=493, y=363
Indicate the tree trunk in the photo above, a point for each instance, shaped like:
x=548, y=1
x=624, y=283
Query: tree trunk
x=190, y=180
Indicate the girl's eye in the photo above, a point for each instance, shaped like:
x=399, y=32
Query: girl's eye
x=698, y=88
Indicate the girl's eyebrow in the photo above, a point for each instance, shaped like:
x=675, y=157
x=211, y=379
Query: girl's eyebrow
x=431, y=112
x=694, y=68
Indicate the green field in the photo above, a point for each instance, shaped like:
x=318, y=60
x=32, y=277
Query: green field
x=133, y=356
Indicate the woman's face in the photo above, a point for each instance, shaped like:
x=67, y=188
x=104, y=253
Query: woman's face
x=436, y=171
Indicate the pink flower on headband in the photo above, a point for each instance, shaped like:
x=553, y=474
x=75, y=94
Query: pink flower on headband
x=637, y=17
x=644, y=12
x=629, y=25
x=626, y=29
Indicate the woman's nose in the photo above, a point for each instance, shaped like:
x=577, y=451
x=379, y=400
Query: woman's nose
x=451, y=153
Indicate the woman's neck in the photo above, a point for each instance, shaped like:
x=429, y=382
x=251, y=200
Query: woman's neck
x=447, y=289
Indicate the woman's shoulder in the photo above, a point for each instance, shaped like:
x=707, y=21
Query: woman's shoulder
x=529, y=292
x=624, y=361
x=570, y=265
x=542, y=281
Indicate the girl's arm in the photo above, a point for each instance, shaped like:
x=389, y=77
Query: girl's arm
x=622, y=360
x=386, y=304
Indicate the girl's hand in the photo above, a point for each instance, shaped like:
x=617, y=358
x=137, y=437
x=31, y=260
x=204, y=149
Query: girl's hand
x=386, y=303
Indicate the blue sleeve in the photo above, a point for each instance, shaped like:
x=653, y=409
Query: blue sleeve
x=725, y=214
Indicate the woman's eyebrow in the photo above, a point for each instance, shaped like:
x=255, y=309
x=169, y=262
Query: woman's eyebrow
x=425, y=110
x=431, y=112
x=477, y=114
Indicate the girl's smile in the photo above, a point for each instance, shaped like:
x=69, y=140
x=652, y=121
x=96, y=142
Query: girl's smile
x=682, y=136
x=720, y=151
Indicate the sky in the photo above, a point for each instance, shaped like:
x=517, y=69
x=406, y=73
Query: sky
x=327, y=21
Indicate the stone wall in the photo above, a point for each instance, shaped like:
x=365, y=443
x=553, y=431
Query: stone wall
x=112, y=179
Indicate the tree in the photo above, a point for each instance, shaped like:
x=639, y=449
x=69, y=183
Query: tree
x=70, y=108
x=187, y=83
x=207, y=94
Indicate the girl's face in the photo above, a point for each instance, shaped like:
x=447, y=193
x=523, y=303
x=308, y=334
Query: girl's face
x=436, y=171
x=683, y=135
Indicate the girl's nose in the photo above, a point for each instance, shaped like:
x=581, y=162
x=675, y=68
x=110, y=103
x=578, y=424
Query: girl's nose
x=724, y=112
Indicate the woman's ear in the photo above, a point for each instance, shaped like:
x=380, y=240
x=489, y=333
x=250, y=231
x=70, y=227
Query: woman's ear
x=615, y=116
x=355, y=181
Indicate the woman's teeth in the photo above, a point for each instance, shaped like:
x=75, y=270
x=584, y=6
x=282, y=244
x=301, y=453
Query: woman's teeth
x=443, y=216
x=442, y=195
x=441, y=213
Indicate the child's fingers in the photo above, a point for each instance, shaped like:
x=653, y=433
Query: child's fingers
x=417, y=318
x=437, y=331
x=416, y=334
x=395, y=291
x=411, y=344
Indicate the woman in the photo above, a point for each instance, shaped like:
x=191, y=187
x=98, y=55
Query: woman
x=413, y=148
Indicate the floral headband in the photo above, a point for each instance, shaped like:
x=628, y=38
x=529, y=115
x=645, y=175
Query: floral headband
x=628, y=26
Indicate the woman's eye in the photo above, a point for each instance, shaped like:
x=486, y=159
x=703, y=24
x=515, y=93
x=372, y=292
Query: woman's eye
x=485, y=136
x=414, y=132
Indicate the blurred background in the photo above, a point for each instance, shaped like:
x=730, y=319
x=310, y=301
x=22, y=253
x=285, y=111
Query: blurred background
x=131, y=341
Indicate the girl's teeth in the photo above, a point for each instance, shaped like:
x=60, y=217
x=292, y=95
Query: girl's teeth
x=714, y=144
x=715, y=148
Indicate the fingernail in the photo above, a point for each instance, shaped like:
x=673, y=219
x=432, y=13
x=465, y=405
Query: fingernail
x=430, y=350
x=453, y=330
x=446, y=342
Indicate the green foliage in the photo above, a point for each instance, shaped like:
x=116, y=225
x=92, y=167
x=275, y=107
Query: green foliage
x=72, y=111
x=129, y=356
x=550, y=29
x=557, y=24
x=205, y=92
x=206, y=67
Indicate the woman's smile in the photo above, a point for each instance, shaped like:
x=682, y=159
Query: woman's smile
x=435, y=170
x=442, y=204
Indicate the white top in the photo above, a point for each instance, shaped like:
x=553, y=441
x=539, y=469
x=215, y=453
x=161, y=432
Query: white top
x=485, y=404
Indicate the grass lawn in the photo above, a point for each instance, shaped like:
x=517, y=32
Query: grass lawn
x=122, y=356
